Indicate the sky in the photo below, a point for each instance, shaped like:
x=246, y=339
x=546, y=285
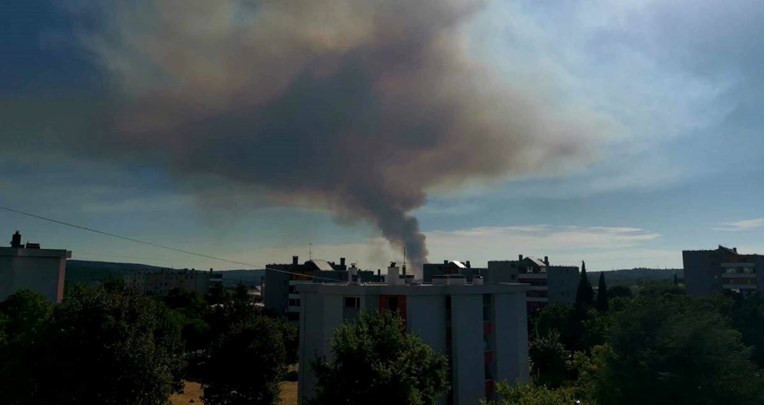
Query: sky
x=658, y=106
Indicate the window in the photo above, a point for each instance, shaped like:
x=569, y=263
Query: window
x=352, y=302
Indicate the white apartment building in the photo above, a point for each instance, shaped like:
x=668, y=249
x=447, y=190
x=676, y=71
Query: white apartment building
x=481, y=328
x=27, y=266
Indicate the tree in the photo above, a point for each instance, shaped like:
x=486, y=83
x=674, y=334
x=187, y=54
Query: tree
x=548, y=360
x=619, y=291
x=374, y=361
x=23, y=319
x=530, y=394
x=584, y=290
x=746, y=316
x=246, y=365
x=110, y=346
x=602, y=303
x=670, y=349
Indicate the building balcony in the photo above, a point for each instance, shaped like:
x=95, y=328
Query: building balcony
x=531, y=276
x=739, y=275
x=739, y=286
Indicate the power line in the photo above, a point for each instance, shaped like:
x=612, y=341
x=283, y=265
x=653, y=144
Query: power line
x=156, y=245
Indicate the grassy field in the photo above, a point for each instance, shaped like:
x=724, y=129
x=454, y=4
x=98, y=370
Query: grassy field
x=192, y=394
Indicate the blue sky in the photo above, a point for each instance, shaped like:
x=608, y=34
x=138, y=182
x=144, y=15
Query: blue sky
x=680, y=165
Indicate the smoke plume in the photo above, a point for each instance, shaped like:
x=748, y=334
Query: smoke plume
x=355, y=106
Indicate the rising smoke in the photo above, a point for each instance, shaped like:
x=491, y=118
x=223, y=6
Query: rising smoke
x=355, y=106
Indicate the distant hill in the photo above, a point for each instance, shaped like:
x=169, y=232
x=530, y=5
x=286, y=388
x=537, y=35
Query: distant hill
x=629, y=277
x=86, y=271
x=90, y=272
x=248, y=277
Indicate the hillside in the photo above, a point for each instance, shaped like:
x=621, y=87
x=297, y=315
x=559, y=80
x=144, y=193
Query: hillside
x=88, y=272
x=634, y=276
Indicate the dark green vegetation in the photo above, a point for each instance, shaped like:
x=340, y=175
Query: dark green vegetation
x=109, y=345
x=374, y=361
x=627, y=277
x=659, y=347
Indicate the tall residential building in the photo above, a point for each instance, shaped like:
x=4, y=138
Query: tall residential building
x=480, y=328
x=280, y=295
x=715, y=271
x=162, y=281
x=27, y=266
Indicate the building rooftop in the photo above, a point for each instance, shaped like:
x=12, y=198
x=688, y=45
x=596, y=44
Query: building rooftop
x=411, y=289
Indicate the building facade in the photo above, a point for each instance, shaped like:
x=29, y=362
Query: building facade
x=161, y=281
x=722, y=269
x=27, y=266
x=480, y=328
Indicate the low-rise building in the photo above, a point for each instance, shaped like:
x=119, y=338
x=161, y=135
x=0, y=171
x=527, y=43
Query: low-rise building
x=480, y=328
x=162, y=281
x=280, y=295
x=548, y=284
x=722, y=269
x=27, y=266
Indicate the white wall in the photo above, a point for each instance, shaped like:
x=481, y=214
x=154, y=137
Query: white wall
x=468, y=348
x=512, y=353
x=42, y=274
x=426, y=318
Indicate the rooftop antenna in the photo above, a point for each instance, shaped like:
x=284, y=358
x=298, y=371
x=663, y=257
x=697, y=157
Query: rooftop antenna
x=310, y=251
x=403, y=266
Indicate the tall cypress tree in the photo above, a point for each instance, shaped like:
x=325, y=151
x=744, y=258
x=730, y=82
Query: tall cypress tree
x=584, y=293
x=602, y=304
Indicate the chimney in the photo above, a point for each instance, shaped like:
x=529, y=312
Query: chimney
x=446, y=262
x=467, y=263
x=16, y=240
x=547, y=261
x=378, y=272
x=294, y=260
x=734, y=250
x=342, y=261
x=520, y=257
x=393, y=273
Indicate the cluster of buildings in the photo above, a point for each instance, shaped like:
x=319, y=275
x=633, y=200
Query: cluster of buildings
x=476, y=316
x=162, y=281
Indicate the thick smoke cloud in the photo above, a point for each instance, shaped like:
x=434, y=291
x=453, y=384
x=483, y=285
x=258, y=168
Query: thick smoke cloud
x=359, y=107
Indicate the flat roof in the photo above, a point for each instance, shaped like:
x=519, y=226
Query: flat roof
x=26, y=252
x=411, y=289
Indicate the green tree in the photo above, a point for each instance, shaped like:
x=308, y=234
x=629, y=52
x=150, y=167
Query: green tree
x=374, y=361
x=584, y=294
x=246, y=364
x=23, y=320
x=192, y=309
x=746, y=316
x=602, y=303
x=670, y=349
x=548, y=360
x=619, y=291
x=110, y=347
x=530, y=394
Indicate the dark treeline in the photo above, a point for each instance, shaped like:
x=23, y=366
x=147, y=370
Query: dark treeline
x=659, y=346
x=110, y=345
